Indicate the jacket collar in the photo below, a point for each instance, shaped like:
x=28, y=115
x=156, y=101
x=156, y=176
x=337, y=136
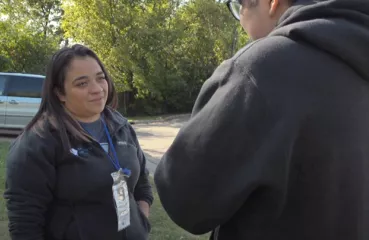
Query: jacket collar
x=114, y=119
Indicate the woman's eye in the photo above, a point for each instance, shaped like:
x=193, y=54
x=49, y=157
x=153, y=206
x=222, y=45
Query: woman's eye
x=101, y=78
x=81, y=84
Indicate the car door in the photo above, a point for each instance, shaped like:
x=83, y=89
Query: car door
x=24, y=98
x=3, y=100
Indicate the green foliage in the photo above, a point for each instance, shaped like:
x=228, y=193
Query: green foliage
x=28, y=34
x=159, y=52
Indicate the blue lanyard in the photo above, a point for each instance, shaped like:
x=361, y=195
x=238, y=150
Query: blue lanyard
x=114, y=160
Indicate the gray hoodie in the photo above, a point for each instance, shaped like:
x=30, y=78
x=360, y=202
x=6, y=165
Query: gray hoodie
x=277, y=144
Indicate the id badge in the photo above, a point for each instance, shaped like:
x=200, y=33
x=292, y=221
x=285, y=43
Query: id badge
x=121, y=199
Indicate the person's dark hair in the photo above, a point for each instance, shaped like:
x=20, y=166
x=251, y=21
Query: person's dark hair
x=52, y=111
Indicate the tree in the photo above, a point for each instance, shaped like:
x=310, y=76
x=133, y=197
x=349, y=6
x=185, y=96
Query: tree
x=23, y=51
x=29, y=34
x=160, y=51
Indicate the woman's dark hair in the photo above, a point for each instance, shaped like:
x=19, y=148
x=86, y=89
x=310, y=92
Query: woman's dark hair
x=52, y=111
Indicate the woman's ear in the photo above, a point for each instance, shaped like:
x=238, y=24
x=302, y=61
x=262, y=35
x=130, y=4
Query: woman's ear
x=60, y=95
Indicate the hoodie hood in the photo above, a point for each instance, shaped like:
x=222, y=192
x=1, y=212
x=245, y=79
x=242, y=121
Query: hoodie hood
x=338, y=27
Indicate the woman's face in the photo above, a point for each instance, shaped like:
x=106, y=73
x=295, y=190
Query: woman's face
x=85, y=89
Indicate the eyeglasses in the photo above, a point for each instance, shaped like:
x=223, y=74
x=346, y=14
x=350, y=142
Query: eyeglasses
x=235, y=7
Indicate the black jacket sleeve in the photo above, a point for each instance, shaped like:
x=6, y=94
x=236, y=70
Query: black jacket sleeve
x=230, y=151
x=30, y=180
x=143, y=191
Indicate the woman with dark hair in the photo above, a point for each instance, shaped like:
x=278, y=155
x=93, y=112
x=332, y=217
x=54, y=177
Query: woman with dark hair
x=77, y=171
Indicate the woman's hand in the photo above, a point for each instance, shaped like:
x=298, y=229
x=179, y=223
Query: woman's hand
x=145, y=208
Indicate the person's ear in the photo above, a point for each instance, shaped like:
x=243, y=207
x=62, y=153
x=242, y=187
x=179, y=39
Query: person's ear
x=60, y=96
x=273, y=7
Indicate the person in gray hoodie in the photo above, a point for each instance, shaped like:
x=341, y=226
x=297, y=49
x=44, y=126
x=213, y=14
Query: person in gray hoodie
x=277, y=143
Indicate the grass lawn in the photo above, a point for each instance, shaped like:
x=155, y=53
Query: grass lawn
x=3, y=218
x=162, y=227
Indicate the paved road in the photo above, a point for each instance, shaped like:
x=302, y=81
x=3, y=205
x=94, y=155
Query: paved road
x=155, y=137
